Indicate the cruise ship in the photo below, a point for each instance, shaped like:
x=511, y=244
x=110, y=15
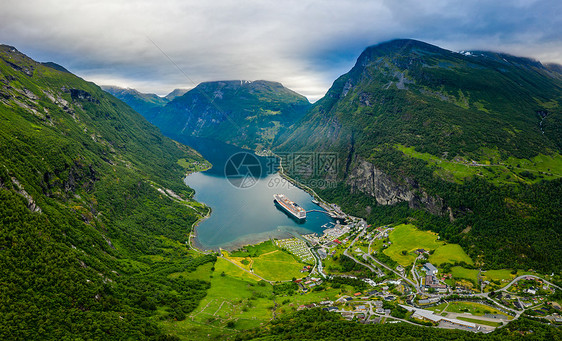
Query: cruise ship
x=289, y=206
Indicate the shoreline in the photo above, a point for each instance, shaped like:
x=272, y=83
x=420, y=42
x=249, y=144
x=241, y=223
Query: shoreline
x=296, y=183
x=193, y=234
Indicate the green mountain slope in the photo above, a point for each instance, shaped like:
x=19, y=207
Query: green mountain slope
x=474, y=138
x=247, y=114
x=94, y=214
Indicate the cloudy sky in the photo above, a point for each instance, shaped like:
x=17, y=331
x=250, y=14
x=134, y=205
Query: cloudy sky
x=156, y=46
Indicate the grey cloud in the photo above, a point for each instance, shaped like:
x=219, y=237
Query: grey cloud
x=303, y=44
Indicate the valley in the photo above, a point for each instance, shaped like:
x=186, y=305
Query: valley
x=432, y=206
x=349, y=277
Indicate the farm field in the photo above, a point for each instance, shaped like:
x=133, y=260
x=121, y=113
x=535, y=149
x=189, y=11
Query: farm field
x=407, y=238
x=246, y=303
x=233, y=271
x=449, y=253
x=296, y=300
x=268, y=261
x=506, y=171
x=459, y=272
x=499, y=275
x=473, y=308
x=278, y=266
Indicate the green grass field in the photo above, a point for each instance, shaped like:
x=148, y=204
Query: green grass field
x=473, y=308
x=502, y=171
x=203, y=272
x=437, y=308
x=245, y=302
x=277, y=266
x=268, y=261
x=486, y=323
x=296, y=300
x=500, y=275
x=233, y=271
x=408, y=238
x=449, y=253
x=255, y=250
x=461, y=273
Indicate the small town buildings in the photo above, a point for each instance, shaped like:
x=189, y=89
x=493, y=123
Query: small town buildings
x=432, y=282
x=430, y=269
x=428, y=315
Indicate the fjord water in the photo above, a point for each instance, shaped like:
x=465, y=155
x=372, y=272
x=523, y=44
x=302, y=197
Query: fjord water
x=242, y=216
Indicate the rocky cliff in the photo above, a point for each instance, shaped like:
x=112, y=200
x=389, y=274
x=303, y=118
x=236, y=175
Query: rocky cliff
x=364, y=177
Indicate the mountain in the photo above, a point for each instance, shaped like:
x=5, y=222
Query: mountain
x=143, y=103
x=244, y=113
x=94, y=215
x=468, y=144
x=176, y=93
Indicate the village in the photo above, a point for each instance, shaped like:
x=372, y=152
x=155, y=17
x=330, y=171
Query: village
x=405, y=286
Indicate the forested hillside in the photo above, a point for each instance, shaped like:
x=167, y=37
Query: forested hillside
x=468, y=144
x=316, y=324
x=94, y=215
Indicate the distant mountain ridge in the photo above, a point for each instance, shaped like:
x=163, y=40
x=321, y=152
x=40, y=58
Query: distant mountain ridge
x=142, y=103
x=248, y=114
x=176, y=93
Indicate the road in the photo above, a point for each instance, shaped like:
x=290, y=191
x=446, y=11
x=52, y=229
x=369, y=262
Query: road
x=516, y=279
x=398, y=274
x=377, y=270
x=318, y=263
x=361, y=263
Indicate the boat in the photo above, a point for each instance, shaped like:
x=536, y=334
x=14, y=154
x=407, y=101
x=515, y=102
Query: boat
x=315, y=202
x=289, y=206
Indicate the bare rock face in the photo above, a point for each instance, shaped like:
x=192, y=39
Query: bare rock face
x=366, y=178
x=33, y=207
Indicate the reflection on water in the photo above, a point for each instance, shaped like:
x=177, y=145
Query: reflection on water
x=245, y=215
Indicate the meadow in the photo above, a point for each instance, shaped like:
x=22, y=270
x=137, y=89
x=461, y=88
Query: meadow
x=407, y=238
x=511, y=170
x=278, y=266
x=268, y=261
x=235, y=299
x=449, y=253
x=459, y=272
